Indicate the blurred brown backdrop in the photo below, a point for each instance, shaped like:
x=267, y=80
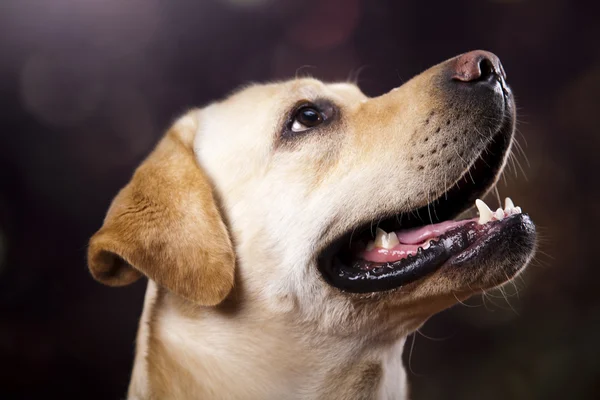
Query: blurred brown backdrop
x=87, y=87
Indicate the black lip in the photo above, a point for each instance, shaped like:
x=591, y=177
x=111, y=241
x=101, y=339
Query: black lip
x=453, y=248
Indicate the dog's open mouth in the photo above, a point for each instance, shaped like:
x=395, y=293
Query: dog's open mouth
x=387, y=254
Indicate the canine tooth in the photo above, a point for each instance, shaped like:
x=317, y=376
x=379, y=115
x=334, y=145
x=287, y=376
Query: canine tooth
x=499, y=214
x=508, y=204
x=379, y=237
x=370, y=245
x=485, y=214
x=518, y=209
x=427, y=245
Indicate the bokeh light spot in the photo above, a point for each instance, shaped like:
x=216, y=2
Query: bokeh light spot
x=323, y=27
x=59, y=91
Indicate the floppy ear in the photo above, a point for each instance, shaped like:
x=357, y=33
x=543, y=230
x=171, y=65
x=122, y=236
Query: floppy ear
x=166, y=225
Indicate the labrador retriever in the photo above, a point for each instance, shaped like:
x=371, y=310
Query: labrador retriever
x=296, y=232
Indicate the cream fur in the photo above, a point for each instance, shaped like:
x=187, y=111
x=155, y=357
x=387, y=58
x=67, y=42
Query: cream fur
x=283, y=332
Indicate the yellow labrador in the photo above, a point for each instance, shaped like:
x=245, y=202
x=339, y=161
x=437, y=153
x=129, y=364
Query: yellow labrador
x=295, y=233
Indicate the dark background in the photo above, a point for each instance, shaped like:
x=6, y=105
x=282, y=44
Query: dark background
x=87, y=88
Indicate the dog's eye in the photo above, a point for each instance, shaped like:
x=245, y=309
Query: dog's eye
x=306, y=117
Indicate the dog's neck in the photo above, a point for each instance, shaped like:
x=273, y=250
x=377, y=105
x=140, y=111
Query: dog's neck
x=185, y=353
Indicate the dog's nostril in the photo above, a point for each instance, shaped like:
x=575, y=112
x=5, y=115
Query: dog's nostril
x=487, y=69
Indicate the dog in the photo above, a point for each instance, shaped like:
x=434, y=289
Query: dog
x=294, y=233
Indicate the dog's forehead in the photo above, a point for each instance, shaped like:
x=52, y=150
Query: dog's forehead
x=301, y=89
x=338, y=91
x=348, y=91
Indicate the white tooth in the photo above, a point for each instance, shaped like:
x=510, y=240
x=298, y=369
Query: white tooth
x=515, y=210
x=508, y=204
x=370, y=246
x=499, y=214
x=427, y=245
x=392, y=240
x=485, y=214
x=379, y=238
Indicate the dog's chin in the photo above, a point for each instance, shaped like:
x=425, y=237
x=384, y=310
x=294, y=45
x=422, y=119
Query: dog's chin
x=475, y=254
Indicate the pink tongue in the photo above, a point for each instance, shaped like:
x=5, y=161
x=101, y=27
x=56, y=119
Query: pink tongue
x=410, y=241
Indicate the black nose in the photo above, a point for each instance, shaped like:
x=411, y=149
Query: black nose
x=478, y=66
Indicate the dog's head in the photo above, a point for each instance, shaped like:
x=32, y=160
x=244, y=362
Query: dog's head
x=298, y=184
